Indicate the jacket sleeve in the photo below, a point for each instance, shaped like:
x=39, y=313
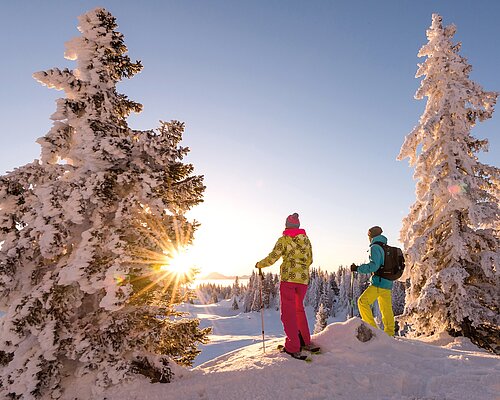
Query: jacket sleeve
x=310, y=252
x=273, y=256
x=376, y=260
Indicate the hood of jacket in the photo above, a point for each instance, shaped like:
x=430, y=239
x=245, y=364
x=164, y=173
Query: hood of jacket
x=379, y=238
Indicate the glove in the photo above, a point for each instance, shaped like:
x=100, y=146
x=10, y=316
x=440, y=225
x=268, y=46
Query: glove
x=256, y=265
x=354, y=267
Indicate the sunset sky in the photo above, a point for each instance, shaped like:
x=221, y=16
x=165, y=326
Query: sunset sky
x=290, y=106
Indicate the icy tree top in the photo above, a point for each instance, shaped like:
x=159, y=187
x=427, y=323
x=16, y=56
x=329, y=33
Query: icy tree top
x=90, y=122
x=449, y=90
x=99, y=52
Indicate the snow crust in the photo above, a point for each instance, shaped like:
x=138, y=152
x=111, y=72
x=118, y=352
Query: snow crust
x=234, y=366
x=435, y=368
x=383, y=368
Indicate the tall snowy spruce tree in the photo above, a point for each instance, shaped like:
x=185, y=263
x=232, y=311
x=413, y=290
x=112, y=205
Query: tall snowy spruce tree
x=452, y=233
x=85, y=232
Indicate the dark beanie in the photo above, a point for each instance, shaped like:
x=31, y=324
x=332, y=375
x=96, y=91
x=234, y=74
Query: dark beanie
x=374, y=231
x=292, y=221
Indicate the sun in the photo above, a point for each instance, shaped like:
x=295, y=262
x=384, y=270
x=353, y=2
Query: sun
x=179, y=263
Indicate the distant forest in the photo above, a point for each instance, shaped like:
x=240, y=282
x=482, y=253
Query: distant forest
x=327, y=291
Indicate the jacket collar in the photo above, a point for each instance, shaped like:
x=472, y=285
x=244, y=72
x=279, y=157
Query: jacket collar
x=292, y=232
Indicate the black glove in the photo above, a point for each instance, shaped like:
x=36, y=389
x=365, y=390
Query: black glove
x=354, y=267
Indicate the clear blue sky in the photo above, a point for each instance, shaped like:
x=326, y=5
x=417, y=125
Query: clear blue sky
x=289, y=106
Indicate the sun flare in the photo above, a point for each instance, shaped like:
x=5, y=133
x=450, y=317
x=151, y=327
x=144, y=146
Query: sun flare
x=164, y=260
x=180, y=263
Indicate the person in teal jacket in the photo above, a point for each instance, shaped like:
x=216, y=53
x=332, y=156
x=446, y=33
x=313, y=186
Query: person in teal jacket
x=380, y=289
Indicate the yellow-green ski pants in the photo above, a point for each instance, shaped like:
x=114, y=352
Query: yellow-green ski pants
x=384, y=297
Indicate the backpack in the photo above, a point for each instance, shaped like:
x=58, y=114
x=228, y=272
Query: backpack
x=394, y=262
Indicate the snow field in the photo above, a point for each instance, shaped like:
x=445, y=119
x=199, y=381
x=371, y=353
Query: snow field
x=437, y=368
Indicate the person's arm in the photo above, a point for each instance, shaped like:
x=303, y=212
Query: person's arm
x=273, y=256
x=309, y=252
x=376, y=260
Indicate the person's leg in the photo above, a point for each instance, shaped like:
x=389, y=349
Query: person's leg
x=289, y=317
x=385, y=303
x=302, y=325
x=364, y=302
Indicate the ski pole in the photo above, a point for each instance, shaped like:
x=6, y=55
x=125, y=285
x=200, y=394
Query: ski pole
x=262, y=308
x=351, y=295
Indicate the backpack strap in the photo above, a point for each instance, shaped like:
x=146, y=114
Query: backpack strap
x=383, y=246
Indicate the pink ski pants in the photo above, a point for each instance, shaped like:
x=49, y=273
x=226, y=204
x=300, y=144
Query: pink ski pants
x=293, y=315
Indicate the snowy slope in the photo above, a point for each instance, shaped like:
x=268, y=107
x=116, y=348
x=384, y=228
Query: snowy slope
x=383, y=368
x=437, y=368
x=233, y=329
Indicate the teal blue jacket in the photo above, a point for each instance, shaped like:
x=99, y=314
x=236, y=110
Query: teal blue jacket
x=376, y=260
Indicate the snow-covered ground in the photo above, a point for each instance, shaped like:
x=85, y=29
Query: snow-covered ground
x=438, y=368
x=234, y=366
x=233, y=329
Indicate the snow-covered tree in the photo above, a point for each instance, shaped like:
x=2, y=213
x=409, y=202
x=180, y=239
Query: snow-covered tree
x=322, y=289
x=344, y=277
x=267, y=287
x=85, y=230
x=398, y=297
x=236, y=288
x=451, y=234
x=258, y=295
x=235, y=305
x=335, y=291
x=251, y=293
x=313, y=293
x=321, y=319
x=333, y=284
x=325, y=298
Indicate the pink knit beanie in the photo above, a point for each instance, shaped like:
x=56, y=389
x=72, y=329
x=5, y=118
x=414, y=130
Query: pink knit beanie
x=292, y=221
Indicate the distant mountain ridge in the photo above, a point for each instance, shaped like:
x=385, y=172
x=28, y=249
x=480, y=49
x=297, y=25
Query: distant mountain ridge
x=217, y=275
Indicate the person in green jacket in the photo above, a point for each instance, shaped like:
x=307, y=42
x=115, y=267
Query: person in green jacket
x=296, y=250
x=380, y=289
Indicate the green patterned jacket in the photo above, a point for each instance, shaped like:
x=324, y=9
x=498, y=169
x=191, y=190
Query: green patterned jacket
x=295, y=248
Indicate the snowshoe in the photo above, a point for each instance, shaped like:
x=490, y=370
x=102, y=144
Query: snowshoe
x=298, y=355
x=312, y=348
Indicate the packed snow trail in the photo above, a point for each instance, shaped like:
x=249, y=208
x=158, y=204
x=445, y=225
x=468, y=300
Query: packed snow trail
x=382, y=369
